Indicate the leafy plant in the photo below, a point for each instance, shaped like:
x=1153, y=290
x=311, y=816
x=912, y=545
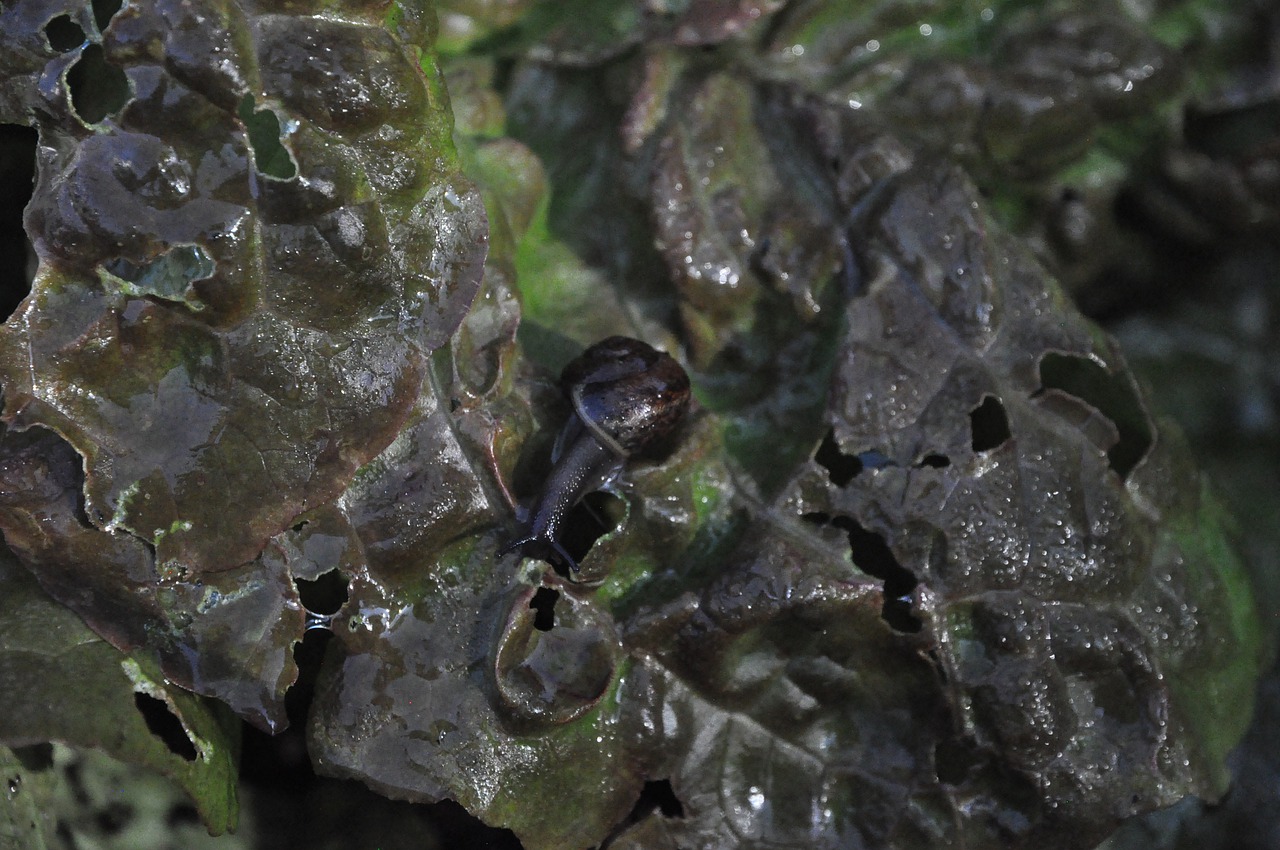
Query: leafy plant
x=922, y=570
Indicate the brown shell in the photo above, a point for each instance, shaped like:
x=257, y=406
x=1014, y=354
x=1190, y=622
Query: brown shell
x=627, y=392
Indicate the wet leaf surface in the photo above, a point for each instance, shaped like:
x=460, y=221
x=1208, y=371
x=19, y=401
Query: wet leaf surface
x=920, y=570
x=224, y=348
x=966, y=623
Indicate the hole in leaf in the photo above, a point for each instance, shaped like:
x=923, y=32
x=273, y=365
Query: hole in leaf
x=263, y=126
x=35, y=757
x=17, y=175
x=74, y=773
x=183, y=814
x=104, y=11
x=872, y=555
x=1114, y=697
x=874, y=460
x=281, y=759
x=841, y=468
x=324, y=594
x=81, y=514
x=164, y=725
x=935, y=461
x=595, y=516
x=1110, y=394
x=456, y=827
x=658, y=795
x=307, y=654
x=543, y=604
x=97, y=87
x=64, y=34
x=114, y=817
x=897, y=613
x=167, y=276
x=953, y=759
x=989, y=424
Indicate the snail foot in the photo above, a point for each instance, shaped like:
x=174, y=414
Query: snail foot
x=542, y=549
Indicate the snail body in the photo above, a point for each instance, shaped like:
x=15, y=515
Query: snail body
x=627, y=396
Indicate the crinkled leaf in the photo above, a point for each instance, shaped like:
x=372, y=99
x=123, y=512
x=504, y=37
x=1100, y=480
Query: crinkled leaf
x=296, y=349
x=64, y=683
x=474, y=700
x=224, y=348
x=228, y=635
x=1063, y=603
x=950, y=621
x=1017, y=88
x=919, y=571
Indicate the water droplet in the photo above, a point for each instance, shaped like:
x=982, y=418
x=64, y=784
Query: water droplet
x=440, y=729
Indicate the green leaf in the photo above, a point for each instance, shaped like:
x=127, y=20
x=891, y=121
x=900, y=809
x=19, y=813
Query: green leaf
x=66, y=684
x=1222, y=673
x=26, y=801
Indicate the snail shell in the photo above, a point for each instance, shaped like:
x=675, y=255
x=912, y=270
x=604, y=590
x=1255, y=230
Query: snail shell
x=627, y=396
x=627, y=393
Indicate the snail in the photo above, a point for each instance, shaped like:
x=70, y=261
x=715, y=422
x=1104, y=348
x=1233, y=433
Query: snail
x=627, y=396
